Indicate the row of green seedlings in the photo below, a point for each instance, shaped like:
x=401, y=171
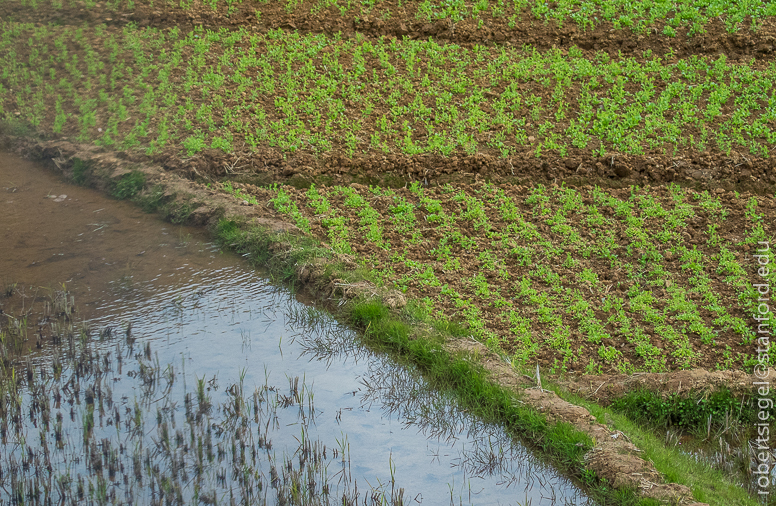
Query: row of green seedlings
x=640, y=298
x=640, y=16
x=583, y=236
x=313, y=93
x=111, y=449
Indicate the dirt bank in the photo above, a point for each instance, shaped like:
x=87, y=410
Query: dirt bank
x=614, y=457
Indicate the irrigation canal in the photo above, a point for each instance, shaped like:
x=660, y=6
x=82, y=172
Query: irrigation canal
x=213, y=385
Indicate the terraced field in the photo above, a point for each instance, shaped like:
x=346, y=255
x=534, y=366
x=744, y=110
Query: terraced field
x=588, y=186
x=584, y=280
x=378, y=109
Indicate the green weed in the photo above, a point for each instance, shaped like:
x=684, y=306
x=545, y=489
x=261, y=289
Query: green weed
x=129, y=185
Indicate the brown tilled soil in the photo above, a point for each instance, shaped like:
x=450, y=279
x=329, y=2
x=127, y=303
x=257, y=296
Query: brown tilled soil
x=700, y=171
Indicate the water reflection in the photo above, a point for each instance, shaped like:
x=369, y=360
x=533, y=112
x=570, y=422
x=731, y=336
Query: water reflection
x=482, y=454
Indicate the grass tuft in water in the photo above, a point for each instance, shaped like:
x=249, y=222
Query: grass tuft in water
x=151, y=199
x=65, y=434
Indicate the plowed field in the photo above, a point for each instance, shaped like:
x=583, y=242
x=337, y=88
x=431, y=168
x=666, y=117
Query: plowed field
x=582, y=185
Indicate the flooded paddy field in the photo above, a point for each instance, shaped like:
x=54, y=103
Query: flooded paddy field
x=143, y=366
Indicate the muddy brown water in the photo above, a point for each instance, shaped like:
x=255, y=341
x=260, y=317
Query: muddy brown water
x=206, y=321
x=53, y=232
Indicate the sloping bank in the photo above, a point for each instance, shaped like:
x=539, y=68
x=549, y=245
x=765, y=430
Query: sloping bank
x=618, y=461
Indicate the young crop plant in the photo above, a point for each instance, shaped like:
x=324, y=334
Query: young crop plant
x=728, y=265
x=610, y=355
x=588, y=277
x=473, y=210
x=403, y=215
x=521, y=341
x=643, y=301
x=539, y=200
x=712, y=205
x=318, y=202
x=418, y=275
x=338, y=232
x=581, y=311
x=480, y=286
x=522, y=255
x=428, y=277
x=508, y=210
x=560, y=341
x=490, y=261
x=692, y=259
x=283, y=203
x=369, y=218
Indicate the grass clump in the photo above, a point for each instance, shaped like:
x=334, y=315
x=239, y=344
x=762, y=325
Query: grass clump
x=82, y=171
x=151, y=199
x=178, y=212
x=367, y=313
x=696, y=412
x=129, y=185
